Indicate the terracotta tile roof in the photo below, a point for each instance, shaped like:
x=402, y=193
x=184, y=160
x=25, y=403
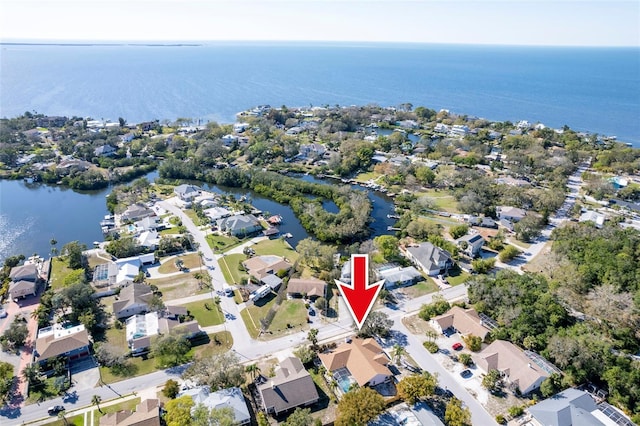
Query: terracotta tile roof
x=364, y=359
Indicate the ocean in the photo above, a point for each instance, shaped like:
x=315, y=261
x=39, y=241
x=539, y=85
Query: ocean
x=588, y=89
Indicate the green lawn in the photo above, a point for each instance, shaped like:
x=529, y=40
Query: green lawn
x=221, y=243
x=218, y=343
x=206, y=317
x=278, y=247
x=292, y=313
x=253, y=326
x=170, y=231
x=71, y=421
x=137, y=367
x=254, y=313
x=421, y=288
x=457, y=276
x=363, y=177
x=59, y=271
x=229, y=265
x=195, y=219
x=190, y=261
x=441, y=200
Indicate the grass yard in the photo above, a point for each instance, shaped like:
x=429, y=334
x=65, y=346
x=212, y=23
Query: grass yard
x=440, y=220
x=43, y=392
x=177, y=286
x=59, y=271
x=229, y=265
x=278, y=247
x=195, y=219
x=221, y=243
x=442, y=200
x=254, y=313
x=206, y=317
x=364, y=177
x=137, y=367
x=457, y=276
x=420, y=289
x=292, y=313
x=170, y=231
x=218, y=343
x=71, y=421
x=191, y=261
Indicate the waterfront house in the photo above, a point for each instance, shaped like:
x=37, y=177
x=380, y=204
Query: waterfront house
x=241, y=225
x=474, y=243
x=291, y=387
x=147, y=413
x=464, y=321
x=23, y=281
x=240, y=127
x=135, y=212
x=431, y=259
x=59, y=340
x=516, y=367
x=148, y=239
x=312, y=287
x=133, y=299
x=224, y=398
x=148, y=224
x=216, y=213
x=312, y=150
x=512, y=214
x=228, y=140
x=126, y=138
x=261, y=266
x=187, y=192
x=360, y=361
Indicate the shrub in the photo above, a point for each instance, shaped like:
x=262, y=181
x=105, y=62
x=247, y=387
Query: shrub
x=431, y=347
x=465, y=359
x=501, y=420
x=515, y=411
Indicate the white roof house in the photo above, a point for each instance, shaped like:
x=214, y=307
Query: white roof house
x=592, y=216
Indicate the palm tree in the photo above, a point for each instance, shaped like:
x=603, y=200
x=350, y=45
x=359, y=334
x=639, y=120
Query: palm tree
x=53, y=243
x=397, y=352
x=31, y=373
x=63, y=415
x=96, y=400
x=253, y=369
x=431, y=335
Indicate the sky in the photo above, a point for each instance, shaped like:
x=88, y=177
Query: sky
x=518, y=22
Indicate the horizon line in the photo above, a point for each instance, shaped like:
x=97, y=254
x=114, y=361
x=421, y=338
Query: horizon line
x=195, y=43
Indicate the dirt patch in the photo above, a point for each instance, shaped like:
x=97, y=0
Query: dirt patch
x=416, y=325
x=177, y=287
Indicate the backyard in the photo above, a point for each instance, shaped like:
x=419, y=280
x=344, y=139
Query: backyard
x=290, y=313
x=189, y=261
x=221, y=243
x=207, y=313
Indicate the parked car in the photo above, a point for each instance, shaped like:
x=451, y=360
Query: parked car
x=449, y=331
x=457, y=346
x=466, y=373
x=312, y=312
x=55, y=410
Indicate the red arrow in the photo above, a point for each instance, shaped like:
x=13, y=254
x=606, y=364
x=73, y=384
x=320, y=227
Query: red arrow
x=359, y=296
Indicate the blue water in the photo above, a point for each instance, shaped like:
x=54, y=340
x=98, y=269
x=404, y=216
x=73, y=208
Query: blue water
x=591, y=89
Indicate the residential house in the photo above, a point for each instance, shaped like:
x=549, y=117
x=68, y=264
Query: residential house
x=147, y=413
x=139, y=329
x=360, y=361
x=408, y=124
x=517, y=369
x=216, y=213
x=57, y=340
x=261, y=266
x=240, y=225
x=459, y=130
x=291, y=387
x=228, y=140
x=592, y=216
x=240, y=127
x=23, y=281
x=441, y=128
x=472, y=242
x=104, y=151
x=120, y=273
x=465, y=321
x=312, y=287
x=312, y=150
x=126, y=138
x=431, y=259
x=512, y=214
x=149, y=125
x=51, y=121
x=571, y=407
x=224, y=398
x=149, y=239
x=187, y=192
x=400, y=277
x=133, y=299
x=69, y=164
x=508, y=180
x=135, y=212
x=148, y=224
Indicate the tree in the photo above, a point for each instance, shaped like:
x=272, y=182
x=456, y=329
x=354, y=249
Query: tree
x=171, y=389
x=31, y=373
x=551, y=385
x=376, y=324
x=73, y=252
x=178, y=411
x=359, y=406
x=388, y=246
x=221, y=417
x=305, y=354
x=300, y=417
x=53, y=243
x=321, y=304
x=492, y=381
x=252, y=369
x=312, y=336
x=482, y=266
x=16, y=334
x=458, y=231
x=414, y=388
x=218, y=371
x=171, y=350
x=6, y=381
x=508, y=254
x=528, y=228
x=397, y=352
x=465, y=359
x=455, y=415
x=474, y=343
x=438, y=306
x=96, y=400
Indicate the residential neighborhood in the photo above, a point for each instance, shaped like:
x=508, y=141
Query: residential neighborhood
x=199, y=302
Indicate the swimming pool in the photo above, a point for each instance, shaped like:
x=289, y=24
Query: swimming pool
x=344, y=379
